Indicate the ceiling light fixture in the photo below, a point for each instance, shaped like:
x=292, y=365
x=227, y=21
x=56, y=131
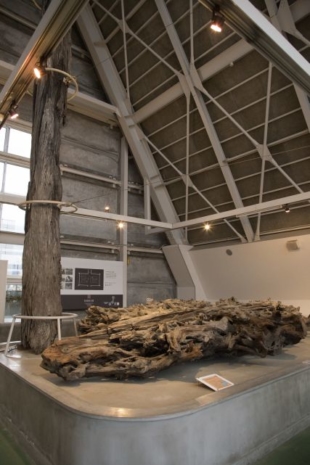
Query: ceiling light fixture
x=107, y=208
x=217, y=20
x=40, y=71
x=121, y=225
x=13, y=113
x=207, y=227
x=286, y=208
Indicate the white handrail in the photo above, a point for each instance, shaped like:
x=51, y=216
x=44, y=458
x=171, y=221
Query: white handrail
x=63, y=316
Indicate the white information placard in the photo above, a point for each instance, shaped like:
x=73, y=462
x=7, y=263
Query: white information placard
x=86, y=282
x=215, y=382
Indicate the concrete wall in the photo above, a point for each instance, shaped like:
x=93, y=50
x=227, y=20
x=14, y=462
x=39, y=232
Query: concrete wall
x=261, y=270
x=148, y=277
x=93, y=148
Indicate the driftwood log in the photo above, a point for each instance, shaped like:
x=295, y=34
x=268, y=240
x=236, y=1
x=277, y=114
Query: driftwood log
x=144, y=339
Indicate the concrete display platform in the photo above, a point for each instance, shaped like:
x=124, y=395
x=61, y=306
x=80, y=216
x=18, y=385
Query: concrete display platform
x=165, y=420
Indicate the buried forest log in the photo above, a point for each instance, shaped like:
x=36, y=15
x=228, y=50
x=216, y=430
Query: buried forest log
x=143, y=339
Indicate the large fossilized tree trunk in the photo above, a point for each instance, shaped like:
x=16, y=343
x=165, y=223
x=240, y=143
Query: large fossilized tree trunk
x=41, y=258
x=142, y=340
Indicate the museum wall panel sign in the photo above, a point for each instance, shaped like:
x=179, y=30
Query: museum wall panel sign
x=91, y=282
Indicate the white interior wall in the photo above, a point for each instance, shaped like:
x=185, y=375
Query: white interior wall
x=184, y=272
x=258, y=270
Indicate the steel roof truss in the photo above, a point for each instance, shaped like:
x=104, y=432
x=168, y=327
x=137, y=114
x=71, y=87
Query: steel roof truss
x=282, y=19
x=187, y=181
x=188, y=82
x=112, y=83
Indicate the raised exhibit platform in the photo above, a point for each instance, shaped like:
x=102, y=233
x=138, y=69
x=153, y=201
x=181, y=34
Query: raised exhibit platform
x=167, y=420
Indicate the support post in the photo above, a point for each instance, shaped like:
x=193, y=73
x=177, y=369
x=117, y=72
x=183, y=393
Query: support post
x=124, y=211
x=3, y=279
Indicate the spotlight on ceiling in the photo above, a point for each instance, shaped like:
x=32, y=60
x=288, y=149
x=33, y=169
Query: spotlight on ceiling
x=121, y=225
x=39, y=71
x=207, y=227
x=217, y=20
x=107, y=208
x=13, y=113
x=286, y=209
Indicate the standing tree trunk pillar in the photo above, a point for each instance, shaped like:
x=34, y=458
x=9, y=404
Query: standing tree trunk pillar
x=41, y=257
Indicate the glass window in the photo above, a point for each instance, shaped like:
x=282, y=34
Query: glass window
x=13, y=299
x=2, y=137
x=12, y=219
x=19, y=143
x=14, y=255
x=16, y=180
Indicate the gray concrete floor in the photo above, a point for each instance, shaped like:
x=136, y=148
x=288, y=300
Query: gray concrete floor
x=169, y=392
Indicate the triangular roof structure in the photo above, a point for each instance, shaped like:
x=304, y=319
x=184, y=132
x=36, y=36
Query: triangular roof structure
x=218, y=123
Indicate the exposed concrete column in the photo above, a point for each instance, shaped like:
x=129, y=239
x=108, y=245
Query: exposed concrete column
x=188, y=283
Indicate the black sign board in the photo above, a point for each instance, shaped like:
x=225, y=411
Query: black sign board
x=81, y=302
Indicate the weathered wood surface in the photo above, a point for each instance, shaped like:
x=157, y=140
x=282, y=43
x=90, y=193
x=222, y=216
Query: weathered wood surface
x=142, y=340
x=41, y=257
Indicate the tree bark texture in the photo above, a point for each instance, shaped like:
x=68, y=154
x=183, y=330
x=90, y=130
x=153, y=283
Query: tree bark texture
x=144, y=339
x=41, y=257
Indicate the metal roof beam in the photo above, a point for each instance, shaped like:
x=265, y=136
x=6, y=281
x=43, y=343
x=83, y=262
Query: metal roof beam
x=233, y=53
x=235, y=213
x=252, y=209
x=114, y=87
x=282, y=19
x=204, y=114
x=253, y=26
x=299, y=9
x=55, y=23
x=86, y=213
x=82, y=103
